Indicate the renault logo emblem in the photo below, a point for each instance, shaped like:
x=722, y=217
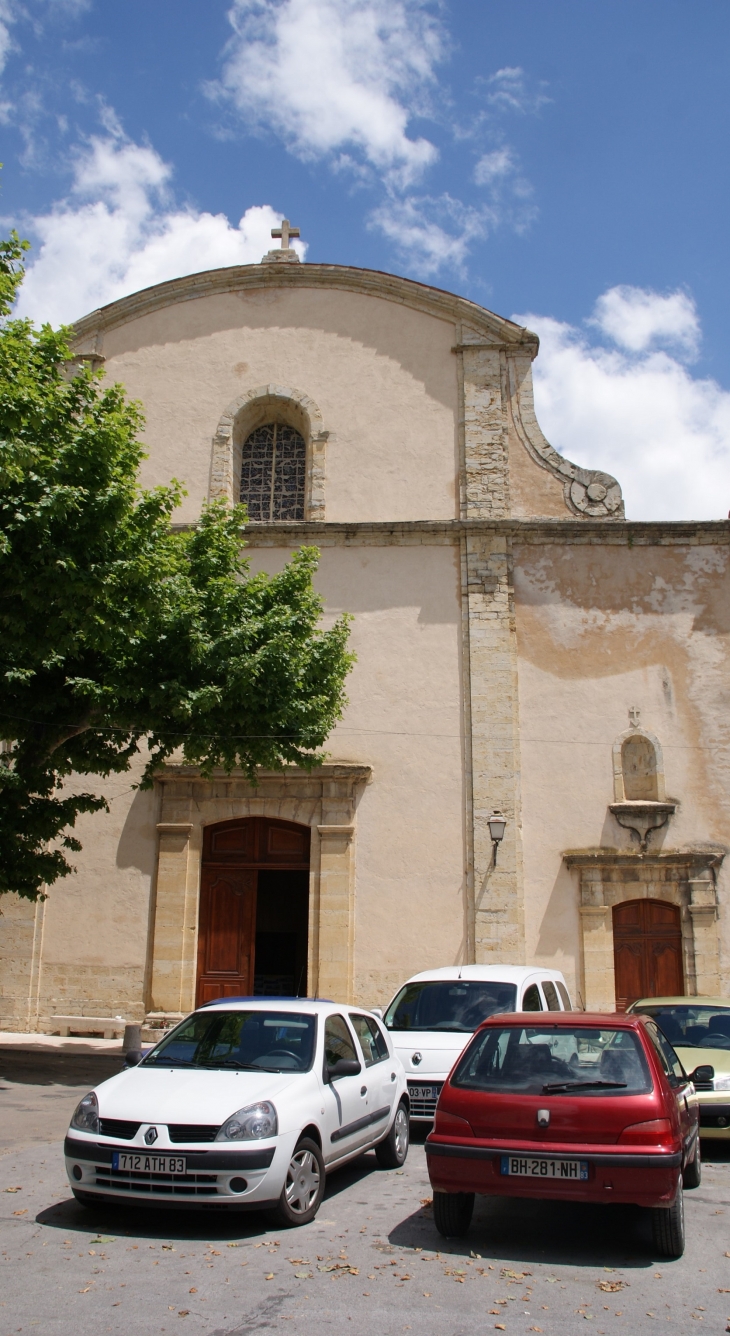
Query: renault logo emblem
x=150, y=1136
x=416, y=1059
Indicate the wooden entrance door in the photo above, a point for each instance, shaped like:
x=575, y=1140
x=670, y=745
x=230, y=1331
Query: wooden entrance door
x=233, y=854
x=647, y=949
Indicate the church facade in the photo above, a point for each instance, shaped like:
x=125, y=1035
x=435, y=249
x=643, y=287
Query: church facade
x=522, y=650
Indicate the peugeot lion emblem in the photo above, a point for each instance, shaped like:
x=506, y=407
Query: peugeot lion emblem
x=416, y=1059
x=150, y=1136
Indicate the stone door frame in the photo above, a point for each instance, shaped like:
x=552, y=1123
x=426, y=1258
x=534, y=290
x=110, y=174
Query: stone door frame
x=683, y=878
x=325, y=800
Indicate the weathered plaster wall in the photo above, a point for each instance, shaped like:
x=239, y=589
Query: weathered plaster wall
x=601, y=628
x=382, y=375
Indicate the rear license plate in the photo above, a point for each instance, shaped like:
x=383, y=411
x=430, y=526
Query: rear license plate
x=424, y=1092
x=149, y=1164
x=575, y=1171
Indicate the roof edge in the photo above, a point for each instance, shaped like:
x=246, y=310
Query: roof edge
x=433, y=301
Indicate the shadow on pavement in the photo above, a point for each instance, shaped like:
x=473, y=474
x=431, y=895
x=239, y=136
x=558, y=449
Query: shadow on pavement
x=29, y=1067
x=527, y=1230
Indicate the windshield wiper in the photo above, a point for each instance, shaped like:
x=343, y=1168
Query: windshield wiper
x=554, y=1087
x=228, y=1062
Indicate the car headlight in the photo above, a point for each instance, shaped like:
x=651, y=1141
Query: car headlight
x=86, y=1114
x=253, y=1123
x=721, y=1083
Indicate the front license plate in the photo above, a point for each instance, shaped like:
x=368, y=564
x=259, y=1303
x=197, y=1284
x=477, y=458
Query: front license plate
x=149, y=1164
x=575, y=1171
x=423, y=1092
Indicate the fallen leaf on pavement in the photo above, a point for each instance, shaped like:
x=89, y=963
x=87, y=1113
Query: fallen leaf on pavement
x=105, y=1238
x=86, y=1291
x=270, y=1276
x=611, y=1286
x=194, y=1290
x=428, y=1201
x=23, y=1212
x=507, y=1274
x=233, y=1245
x=499, y=1326
x=304, y=1275
x=13, y=1189
x=184, y=1312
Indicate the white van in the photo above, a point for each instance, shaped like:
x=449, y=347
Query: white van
x=433, y=1015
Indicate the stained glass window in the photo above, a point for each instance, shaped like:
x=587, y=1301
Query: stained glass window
x=272, y=473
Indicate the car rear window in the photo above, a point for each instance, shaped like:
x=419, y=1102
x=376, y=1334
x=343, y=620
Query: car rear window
x=691, y=1027
x=457, y=1005
x=569, y=1060
x=270, y=1041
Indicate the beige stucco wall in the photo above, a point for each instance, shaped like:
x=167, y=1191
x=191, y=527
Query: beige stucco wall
x=382, y=375
x=601, y=629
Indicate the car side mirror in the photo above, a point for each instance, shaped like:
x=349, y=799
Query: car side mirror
x=703, y=1074
x=377, y=1011
x=133, y=1057
x=343, y=1067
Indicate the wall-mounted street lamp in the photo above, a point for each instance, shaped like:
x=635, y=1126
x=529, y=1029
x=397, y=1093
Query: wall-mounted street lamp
x=497, y=823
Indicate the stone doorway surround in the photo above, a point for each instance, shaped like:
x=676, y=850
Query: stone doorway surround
x=325, y=799
x=683, y=878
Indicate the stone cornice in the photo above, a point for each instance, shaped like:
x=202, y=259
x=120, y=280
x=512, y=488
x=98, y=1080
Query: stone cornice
x=711, y=856
x=372, y=282
x=617, y=533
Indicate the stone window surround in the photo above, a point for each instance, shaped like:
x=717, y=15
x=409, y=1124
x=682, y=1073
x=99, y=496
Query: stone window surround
x=683, y=878
x=325, y=799
x=619, y=795
x=254, y=408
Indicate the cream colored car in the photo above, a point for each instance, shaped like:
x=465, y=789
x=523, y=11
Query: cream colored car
x=698, y=1028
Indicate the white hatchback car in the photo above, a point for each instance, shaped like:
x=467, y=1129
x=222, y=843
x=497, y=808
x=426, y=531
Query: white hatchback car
x=434, y=1014
x=247, y=1103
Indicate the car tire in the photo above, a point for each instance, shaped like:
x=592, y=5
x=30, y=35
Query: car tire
x=452, y=1213
x=302, y=1193
x=668, y=1226
x=393, y=1149
x=692, y=1176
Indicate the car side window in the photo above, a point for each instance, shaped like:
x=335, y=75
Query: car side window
x=551, y=996
x=565, y=995
x=337, y=1041
x=531, y=1000
x=670, y=1062
x=372, y=1043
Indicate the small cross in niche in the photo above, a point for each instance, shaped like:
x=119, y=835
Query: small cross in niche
x=285, y=232
x=634, y=716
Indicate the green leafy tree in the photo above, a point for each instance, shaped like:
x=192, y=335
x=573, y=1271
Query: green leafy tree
x=119, y=632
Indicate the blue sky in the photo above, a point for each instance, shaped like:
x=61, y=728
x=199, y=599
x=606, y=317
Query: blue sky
x=565, y=162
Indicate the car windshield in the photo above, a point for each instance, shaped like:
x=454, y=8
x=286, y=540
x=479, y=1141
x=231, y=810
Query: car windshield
x=459, y=1005
x=565, y=1060
x=687, y=1026
x=269, y=1041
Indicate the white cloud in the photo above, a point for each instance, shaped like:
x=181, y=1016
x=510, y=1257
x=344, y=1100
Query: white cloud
x=494, y=166
x=430, y=232
x=336, y=77
x=118, y=231
x=640, y=416
x=637, y=318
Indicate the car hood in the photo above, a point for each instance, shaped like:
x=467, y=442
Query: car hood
x=438, y=1050
x=719, y=1058
x=175, y=1095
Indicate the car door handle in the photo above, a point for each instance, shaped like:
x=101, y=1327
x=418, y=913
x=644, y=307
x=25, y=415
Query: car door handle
x=392, y=1076
x=363, y=1090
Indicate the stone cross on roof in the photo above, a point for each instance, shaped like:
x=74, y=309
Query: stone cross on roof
x=286, y=254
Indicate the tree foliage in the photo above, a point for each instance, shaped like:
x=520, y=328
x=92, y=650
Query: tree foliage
x=119, y=632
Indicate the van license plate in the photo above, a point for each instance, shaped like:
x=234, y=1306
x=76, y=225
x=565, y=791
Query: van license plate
x=149, y=1164
x=572, y=1171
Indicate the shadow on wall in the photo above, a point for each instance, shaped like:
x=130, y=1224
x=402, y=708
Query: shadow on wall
x=137, y=842
x=559, y=930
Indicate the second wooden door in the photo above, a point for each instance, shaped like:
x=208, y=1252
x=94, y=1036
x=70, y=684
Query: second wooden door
x=647, y=948
x=227, y=933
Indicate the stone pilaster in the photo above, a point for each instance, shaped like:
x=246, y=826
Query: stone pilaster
x=703, y=911
x=174, y=930
x=336, y=916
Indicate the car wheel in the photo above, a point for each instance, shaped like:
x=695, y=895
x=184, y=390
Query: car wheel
x=302, y=1193
x=452, y=1212
x=393, y=1149
x=692, y=1176
x=668, y=1225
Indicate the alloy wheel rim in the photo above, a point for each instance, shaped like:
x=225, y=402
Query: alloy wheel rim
x=302, y=1182
x=401, y=1134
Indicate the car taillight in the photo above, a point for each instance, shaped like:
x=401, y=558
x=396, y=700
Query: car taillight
x=450, y=1123
x=655, y=1132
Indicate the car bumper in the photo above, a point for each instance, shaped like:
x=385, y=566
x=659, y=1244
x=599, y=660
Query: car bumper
x=213, y=1177
x=714, y=1114
x=640, y=1177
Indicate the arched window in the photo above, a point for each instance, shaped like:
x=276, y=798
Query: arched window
x=273, y=465
x=639, y=766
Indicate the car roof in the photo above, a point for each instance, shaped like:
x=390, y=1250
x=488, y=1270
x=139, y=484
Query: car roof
x=592, y=1020
x=486, y=973
x=681, y=1002
x=290, y=1004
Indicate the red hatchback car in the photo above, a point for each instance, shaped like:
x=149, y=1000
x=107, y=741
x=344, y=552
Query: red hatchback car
x=571, y=1106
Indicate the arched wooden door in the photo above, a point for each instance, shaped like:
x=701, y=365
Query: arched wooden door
x=647, y=950
x=235, y=855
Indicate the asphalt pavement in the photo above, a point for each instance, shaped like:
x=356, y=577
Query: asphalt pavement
x=371, y=1261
